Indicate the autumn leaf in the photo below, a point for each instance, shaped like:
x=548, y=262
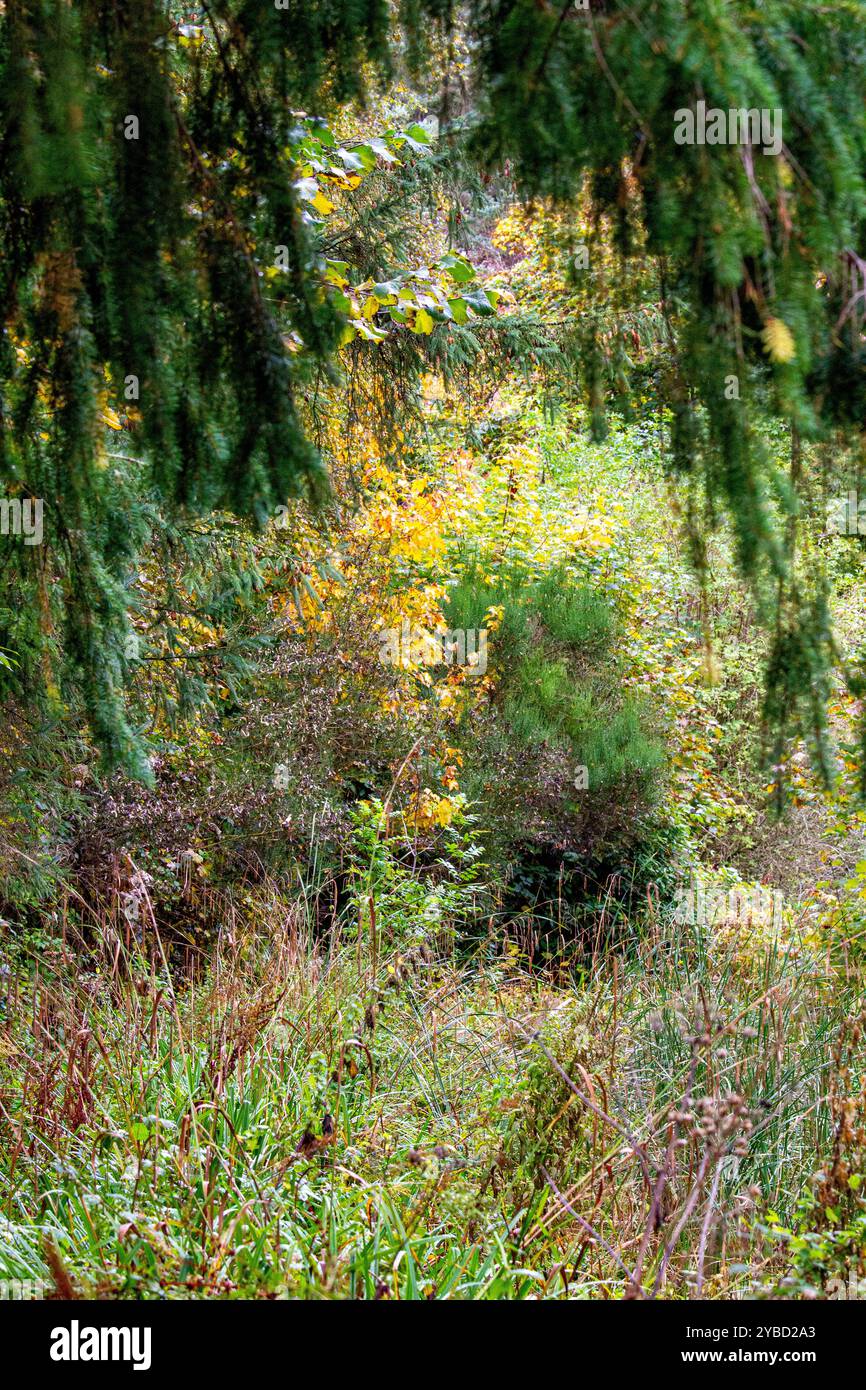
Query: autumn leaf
x=778, y=341
x=322, y=204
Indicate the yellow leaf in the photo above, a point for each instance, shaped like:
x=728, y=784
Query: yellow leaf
x=322, y=204
x=778, y=341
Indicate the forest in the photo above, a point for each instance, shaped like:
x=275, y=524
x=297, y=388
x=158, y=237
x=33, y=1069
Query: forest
x=432, y=652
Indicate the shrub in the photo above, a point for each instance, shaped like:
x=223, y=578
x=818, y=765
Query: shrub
x=565, y=768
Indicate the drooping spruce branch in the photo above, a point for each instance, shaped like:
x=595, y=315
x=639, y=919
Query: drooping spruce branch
x=147, y=179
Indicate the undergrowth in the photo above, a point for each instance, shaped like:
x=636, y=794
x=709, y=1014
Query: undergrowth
x=368, y=1114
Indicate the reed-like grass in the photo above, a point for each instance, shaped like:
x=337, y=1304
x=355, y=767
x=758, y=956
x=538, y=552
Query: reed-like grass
x=332, y=1116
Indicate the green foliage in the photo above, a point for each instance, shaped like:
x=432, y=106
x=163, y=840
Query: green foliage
x=555, y=649
x=142, y=252
x=42, y=795
x=375, y=988
x=755, y=262
x=420, y=909
x=378, y=1122
x=824, y=1249
x=566, y=771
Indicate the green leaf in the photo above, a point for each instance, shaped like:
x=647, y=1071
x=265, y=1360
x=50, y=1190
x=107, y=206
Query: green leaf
x=386, y=291
x=367, y=156
x=384, y=151
x=458, y=268
x=480, y=301
x=351, y=159
x=337, y=272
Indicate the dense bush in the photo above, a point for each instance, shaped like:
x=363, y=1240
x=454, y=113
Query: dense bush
x=565, y=769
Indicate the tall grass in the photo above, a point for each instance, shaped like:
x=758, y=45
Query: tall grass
x=333, y=1116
